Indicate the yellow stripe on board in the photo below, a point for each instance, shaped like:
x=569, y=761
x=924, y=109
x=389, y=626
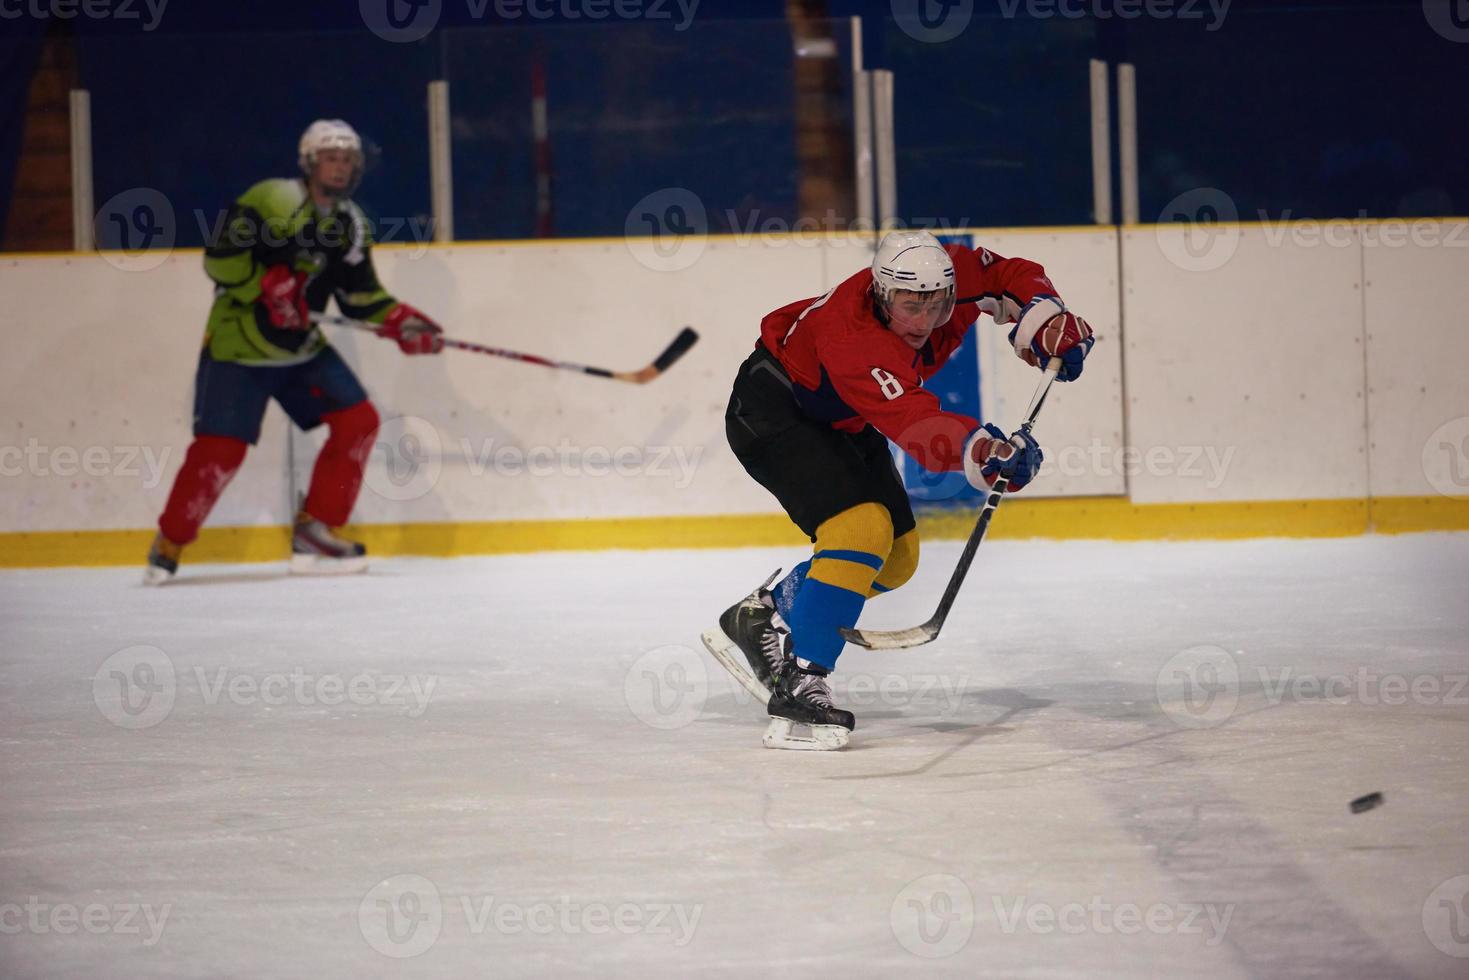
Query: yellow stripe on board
x=1118, y=519
x=44, y=549
x=1403, y=515
x=40, y=549
x=1102, y=518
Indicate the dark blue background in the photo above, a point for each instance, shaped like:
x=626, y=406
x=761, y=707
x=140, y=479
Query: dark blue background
x=1291, y=108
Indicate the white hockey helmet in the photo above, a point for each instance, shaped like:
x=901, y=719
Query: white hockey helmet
x=913, y=262
x=330, y=134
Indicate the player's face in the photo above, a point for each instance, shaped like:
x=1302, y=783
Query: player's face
x=914, y=316
x=334, y=169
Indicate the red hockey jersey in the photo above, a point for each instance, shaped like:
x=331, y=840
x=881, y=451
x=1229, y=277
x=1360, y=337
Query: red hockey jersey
x=850, y=370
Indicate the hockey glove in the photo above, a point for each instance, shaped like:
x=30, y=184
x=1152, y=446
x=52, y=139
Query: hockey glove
x=1064, y=335
x=414, y=332
x=283, y=294
x=988, y=455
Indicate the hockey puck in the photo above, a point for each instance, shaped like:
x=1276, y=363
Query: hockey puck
x=1364, y=803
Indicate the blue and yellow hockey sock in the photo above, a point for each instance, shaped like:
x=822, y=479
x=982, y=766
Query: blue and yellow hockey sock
x=829, y=591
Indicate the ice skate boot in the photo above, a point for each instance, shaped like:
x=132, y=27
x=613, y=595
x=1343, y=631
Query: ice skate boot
x=753, y=628
x=801, y=696
x=163, y=560
x=315, y=550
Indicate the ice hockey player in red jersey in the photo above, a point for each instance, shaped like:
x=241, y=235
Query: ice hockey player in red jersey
x=286, y=247
x=831, y=380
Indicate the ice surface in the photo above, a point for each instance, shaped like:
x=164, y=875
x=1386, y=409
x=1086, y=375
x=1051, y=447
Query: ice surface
x=1118, y=760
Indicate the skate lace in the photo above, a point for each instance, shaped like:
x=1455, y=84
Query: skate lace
x=772, y=645
x=813, y=688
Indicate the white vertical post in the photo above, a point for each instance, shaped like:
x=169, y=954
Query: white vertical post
x=83, y=238
x=883, y=137
x=1127, y=141
x=861, y=133
x=440, y=161
x=862, y=138
x=1101, y=145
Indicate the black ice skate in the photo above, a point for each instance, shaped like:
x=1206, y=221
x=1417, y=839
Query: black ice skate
x=802, y=697
x=750, y=627
x=163, y=560
x=315, y=550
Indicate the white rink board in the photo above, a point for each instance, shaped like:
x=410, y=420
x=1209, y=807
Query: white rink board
x=1251, y=368
x=1080, y=428
x=1245, y=381
x=475, y=438
x=447, y=423
x=100, y=361
x=105, y=357
x=1417, y=353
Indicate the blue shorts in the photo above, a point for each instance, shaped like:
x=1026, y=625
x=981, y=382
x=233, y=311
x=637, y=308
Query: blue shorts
x=230, y=398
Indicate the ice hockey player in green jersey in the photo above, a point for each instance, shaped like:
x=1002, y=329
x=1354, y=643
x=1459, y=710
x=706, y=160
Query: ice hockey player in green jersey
x=284, y=249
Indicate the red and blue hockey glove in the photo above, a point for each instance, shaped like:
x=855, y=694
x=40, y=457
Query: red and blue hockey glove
x=988, y=455
x=1046, y=330
x=283, y=294
x=414, y=332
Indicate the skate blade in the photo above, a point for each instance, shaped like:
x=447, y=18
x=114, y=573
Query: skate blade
x=153, y=575
x=823, y=738
x=732, y=658
x=322, y=565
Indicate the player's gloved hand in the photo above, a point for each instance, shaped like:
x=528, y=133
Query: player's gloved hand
x=414, y=331
x=283, y=294
x=988, y=455
x=1064, y=335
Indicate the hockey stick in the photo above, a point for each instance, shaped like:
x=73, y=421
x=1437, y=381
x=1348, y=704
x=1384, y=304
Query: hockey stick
x=919, y=635
x=686, y=338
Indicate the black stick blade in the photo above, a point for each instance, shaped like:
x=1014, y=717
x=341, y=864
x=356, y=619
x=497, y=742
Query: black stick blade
x=680, y=346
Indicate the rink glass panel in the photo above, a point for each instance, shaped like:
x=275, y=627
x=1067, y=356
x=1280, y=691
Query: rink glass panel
x=633, y=110
x=1284, y=110
x=993, y=127
x=201, y=118
x=1303, y=113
